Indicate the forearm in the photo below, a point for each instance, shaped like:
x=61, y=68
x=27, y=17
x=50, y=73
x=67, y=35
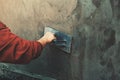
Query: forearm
x=14, y=49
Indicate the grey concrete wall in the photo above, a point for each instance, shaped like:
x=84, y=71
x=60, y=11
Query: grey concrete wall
x=94, y=25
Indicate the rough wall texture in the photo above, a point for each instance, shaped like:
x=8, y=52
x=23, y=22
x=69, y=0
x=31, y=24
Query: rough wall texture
x=94, y=25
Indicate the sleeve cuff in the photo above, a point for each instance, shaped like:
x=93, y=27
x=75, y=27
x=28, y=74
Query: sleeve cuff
x=38, y=49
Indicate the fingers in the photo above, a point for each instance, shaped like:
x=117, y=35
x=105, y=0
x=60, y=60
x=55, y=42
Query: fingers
x=50, y=36
x=47, y=38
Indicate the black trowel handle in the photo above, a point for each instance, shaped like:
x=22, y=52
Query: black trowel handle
x=60, y=43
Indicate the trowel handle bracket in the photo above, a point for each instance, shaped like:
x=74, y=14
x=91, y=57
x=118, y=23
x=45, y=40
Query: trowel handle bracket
x=60, y=43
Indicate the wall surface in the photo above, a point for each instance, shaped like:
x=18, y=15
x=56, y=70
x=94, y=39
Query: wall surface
x=94, y=25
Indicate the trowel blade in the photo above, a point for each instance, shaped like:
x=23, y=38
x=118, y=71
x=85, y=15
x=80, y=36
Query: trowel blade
x=63, y=41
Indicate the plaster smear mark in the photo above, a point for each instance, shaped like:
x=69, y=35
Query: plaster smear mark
x=54, y=10
x=87, y=8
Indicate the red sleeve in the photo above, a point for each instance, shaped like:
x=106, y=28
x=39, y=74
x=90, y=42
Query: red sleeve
x=17, y=50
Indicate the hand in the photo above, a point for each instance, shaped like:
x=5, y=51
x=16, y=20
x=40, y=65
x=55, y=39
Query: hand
x=47, y=38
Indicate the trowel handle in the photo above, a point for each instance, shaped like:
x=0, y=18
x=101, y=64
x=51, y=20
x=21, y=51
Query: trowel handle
x=60, y=43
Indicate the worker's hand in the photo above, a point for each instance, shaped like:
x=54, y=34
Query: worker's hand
x=47, y=38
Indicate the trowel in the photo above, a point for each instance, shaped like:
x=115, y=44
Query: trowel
x=63, y=41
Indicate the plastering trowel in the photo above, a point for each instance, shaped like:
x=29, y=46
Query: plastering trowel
x=62, y=42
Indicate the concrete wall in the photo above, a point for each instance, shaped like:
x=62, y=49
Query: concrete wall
x=94, y=25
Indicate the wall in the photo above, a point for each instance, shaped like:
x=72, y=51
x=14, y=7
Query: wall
x=94, y=25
